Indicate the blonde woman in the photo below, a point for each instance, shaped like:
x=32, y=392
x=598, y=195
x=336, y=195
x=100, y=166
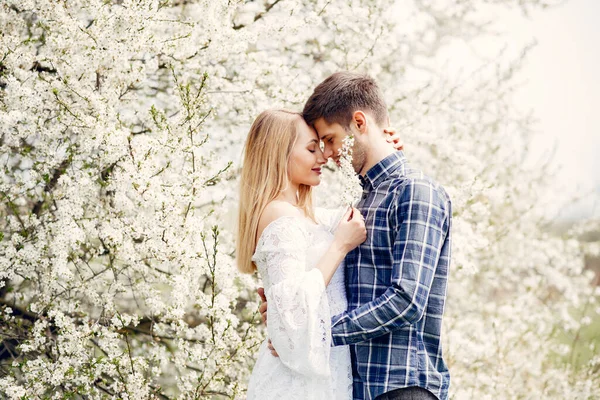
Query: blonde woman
x=298, y=259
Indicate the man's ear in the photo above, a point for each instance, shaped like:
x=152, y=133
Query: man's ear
x=359, y=120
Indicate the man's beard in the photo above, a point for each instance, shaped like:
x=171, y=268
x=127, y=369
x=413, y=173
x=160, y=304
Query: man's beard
x=359, y=157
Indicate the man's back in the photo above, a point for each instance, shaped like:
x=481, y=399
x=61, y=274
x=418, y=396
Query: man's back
x=396, y=283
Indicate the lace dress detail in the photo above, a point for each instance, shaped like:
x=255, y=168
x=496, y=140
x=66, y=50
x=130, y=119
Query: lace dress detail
x=299, y=316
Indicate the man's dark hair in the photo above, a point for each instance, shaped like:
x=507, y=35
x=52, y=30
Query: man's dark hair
x=340, y=95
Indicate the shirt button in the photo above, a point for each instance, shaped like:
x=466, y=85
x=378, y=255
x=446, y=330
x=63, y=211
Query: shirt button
x=364, y=196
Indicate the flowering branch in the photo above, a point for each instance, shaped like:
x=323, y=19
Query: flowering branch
x=350, y=181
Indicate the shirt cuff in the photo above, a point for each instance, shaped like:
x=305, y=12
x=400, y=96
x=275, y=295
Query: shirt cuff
x=337, y=334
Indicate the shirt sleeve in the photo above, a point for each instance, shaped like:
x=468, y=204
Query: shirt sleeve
x=420, y=218
x=298, y=318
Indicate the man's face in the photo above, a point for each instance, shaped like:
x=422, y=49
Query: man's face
x=332, y=136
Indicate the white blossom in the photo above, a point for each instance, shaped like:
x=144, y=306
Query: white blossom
x=349, y=178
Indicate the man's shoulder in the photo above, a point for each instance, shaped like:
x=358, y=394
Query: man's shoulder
x=414, y=180
x=418, y=197
x=413, y=184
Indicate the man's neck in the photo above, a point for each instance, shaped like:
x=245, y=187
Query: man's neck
x=377, y=152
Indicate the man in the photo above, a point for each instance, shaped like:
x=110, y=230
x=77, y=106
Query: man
x=396, y=280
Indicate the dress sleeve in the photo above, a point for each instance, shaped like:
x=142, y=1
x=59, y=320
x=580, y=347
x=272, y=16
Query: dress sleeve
x=298, y=318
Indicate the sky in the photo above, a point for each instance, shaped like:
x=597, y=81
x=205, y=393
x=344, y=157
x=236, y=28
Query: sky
x=562, y=86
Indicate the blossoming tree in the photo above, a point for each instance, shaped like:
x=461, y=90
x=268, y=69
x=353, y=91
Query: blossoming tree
x=121, y=125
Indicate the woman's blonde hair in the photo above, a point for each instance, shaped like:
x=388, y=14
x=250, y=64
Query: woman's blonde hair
x=264, y=176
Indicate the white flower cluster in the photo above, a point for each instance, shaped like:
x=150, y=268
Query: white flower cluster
x=121, y=125
x=349, y=178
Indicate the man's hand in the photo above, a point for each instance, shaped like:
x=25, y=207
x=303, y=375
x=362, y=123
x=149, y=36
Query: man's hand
x=263, y=314
x=394, y=138
x=263, y=305
x=272, y=349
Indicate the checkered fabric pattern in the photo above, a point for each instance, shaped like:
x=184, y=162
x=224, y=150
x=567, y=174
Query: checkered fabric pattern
x=396, y=283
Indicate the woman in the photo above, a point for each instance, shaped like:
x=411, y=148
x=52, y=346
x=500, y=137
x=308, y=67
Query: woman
x=297, y=258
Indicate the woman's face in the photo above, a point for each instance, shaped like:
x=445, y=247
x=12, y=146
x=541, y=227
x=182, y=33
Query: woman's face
x=306, y=158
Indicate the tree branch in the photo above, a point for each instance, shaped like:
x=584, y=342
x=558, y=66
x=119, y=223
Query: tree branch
x=259, y=15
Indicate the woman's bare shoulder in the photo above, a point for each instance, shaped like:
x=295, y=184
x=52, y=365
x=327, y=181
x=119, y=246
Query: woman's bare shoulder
x=275, y=210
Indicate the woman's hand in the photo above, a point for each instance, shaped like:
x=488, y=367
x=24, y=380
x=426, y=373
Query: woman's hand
x=351, y=230
x=394, y=138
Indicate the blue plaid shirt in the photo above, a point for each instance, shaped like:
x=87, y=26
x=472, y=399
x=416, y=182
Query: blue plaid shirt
x=396, y=283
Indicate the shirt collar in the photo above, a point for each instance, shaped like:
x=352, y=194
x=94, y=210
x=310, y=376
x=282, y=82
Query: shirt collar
x=380, y=171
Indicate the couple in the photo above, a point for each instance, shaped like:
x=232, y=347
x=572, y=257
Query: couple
x=354, y=308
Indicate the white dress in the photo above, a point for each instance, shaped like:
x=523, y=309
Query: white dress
x=299, y=315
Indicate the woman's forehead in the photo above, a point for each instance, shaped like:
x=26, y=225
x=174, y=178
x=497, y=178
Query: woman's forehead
x=307, y=131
